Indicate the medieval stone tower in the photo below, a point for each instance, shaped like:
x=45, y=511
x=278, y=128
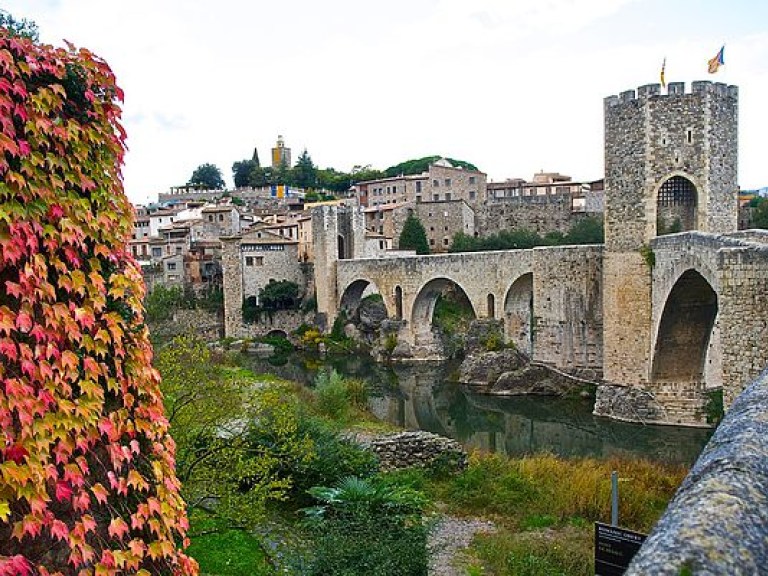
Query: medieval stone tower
x=670, y=166
x=338, y=233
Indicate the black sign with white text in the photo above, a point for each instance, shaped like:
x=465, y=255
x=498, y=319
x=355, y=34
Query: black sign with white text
x=614, y=549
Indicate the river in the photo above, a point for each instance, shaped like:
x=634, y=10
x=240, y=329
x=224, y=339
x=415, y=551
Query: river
x=424, y=396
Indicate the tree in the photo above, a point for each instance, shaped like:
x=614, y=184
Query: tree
x=241, y=172
x=233, y=438
x=208, y=176
x=413, y=236
x=259, y=177
x=420, y=165
x=304, y=172
x=759, y=207
x=23, y=28
x=588, y=230
x=279, y=295
x=87, y=474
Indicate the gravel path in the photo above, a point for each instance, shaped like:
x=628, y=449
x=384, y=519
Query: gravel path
x=448, y=538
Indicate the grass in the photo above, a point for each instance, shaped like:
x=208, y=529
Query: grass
x=225, y=552
x=545, y=507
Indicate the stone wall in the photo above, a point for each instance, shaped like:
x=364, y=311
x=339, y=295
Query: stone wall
x=415, y=449
x=541, y=214
x=568, y=306
x=207, y=325
x=717, y=521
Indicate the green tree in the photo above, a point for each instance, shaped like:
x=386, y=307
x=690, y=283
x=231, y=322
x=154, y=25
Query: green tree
x=588, y=230
x=419, y=165
x=279, y=295
x=759, y=207
x=413, y=236
x=304, y=172
x=24, y=28
x=259, y=177
x=207, y=175
x=241, y=172
x=215, y=414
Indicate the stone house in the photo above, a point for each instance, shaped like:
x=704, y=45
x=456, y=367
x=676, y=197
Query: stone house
x=442, y=181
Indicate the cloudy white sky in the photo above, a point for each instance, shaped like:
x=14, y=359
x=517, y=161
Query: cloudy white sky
x=514, y=86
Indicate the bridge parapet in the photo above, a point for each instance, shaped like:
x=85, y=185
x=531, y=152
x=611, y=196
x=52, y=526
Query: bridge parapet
x=717, y=521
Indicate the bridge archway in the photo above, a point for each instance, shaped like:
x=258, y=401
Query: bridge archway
x=685, y=330
x=676, y=205
x=354, y=294
x=518, y=314
x=423, y=311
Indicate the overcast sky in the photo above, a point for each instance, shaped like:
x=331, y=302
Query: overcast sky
x=513, y=86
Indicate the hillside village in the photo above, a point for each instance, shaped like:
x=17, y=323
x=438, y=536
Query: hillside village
x=179, y=239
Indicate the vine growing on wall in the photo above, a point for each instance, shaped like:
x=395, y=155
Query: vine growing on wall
x=87, y=480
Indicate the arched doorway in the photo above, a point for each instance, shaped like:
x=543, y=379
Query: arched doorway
x=685, y=330
x=676, y=206
x=518, y=314
x=341, y=247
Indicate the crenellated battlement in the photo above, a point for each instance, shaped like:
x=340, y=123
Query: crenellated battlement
x=674, y=89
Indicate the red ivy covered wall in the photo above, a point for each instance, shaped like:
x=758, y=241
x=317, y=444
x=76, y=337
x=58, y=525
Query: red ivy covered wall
x=87, y=481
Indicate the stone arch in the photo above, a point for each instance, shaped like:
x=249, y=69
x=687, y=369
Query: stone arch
x=685, y=330
x=277, y=334
x=677, y=201
x=518, y=313
x=354, y=294
x=424, y=304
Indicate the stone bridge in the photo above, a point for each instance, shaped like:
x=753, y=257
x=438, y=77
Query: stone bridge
x=548, y=298
x=706, y=314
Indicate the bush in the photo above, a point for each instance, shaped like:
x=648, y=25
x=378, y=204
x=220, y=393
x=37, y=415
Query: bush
x=331, y=394
x=390, y=536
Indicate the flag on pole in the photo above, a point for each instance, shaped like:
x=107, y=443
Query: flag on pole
x=663, y=65
x=717, y=61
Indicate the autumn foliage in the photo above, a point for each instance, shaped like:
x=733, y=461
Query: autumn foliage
x=87, y=480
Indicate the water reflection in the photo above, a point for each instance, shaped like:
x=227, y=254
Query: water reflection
x=422, y=396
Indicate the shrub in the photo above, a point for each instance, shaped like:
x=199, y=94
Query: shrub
x=390, y=536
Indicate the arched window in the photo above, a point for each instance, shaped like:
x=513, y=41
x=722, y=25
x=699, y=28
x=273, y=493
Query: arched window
x=676, y=206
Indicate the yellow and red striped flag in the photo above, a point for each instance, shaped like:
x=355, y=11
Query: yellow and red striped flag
x=717, y=61
x=663, y=66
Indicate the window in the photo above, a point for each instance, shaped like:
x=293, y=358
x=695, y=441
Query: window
x=170, y=265
x=689, y=136
x=447, y=182
x=157, y=252
x=471, y=179
x=435, y=184
x=431, y=241
x=448, y=196
x=178, y=249
x=221, y=217
x=445, y=228
x=210, y=217
x=418, y=187
x=431, y=228
x=472, y=194
x=254, y=260
x=418, y=198
x=249, y=260
x=445, y=241
x=436, y=197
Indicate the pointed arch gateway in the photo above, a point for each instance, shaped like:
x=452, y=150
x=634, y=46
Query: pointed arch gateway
x=676, y=206
x=685, y=330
